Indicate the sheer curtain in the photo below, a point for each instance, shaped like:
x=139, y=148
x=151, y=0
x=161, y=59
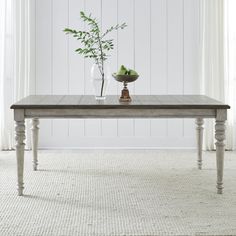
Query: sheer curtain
x=2, y=43
x=216, y=78
x=14, y=63
x=230, y=55
x=6, y=73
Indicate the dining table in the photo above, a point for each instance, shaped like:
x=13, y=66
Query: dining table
x=198, y=107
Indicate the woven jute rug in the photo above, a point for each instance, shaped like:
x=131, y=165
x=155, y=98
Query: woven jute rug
x=117, y=192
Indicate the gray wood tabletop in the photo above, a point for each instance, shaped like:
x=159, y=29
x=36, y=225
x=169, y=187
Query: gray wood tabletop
x=112, y=101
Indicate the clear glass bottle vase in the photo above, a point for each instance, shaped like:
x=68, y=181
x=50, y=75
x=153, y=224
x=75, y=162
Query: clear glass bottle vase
x=100, y=82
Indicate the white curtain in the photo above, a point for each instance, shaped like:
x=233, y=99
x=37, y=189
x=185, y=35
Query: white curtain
x=216, y=81
x=230, y=69
x=14, y=63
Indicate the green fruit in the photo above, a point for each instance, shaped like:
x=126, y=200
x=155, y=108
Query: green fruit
x=132, y=72
x=122, y=70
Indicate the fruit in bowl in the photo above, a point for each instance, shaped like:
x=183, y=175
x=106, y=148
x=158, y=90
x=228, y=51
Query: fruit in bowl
x=132, y=72
x=124, y=71
x=125, y=75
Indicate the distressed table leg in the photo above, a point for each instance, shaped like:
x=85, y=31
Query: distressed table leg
x=20, y=146
x=199, y=122
x=35, y=131
x=220, y=147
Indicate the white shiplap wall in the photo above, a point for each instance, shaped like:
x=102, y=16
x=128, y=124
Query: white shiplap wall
x=161, y=43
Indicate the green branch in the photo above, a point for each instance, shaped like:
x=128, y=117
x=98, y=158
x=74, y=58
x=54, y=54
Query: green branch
x=94, y=44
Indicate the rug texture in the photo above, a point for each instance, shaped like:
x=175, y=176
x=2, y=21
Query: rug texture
x=117, y=193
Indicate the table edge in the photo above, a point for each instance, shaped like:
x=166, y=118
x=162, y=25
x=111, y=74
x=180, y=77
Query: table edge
x=120, y=106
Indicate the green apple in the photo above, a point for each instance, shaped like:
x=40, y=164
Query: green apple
x=132, y=72
x=122, y=70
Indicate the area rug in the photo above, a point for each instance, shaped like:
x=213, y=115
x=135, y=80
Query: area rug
x=117, y=193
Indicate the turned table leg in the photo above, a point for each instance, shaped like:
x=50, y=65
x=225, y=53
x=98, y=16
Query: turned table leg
x=35, y=131
x=199, y=122
x=220, y=148
x=20, y=147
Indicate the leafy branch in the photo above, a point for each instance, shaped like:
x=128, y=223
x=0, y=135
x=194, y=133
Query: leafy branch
x=94, y=42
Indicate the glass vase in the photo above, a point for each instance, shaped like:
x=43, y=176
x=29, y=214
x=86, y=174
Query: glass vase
x=100, y=81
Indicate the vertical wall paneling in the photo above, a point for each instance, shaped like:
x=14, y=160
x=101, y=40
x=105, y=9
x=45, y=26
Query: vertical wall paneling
x=160, y=42
x=32, y=42
x=126, y=55
x=92, y=126
x=109, y=18
x=32, y=85
x=175, y=59
x=158, y=64
x=75, y=65
x=142, y=57
x=191, y=75
x=43, y=59
x=60, y=63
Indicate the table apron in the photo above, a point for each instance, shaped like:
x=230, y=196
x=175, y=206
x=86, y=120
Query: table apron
x=120, y=113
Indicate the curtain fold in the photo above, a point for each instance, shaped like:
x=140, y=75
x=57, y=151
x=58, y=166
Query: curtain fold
x=230, y=69
x=14, y=64
x=6, y=74
x=215, y=81
x=2, y=68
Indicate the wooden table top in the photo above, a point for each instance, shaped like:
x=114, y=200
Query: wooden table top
x=112, y=102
